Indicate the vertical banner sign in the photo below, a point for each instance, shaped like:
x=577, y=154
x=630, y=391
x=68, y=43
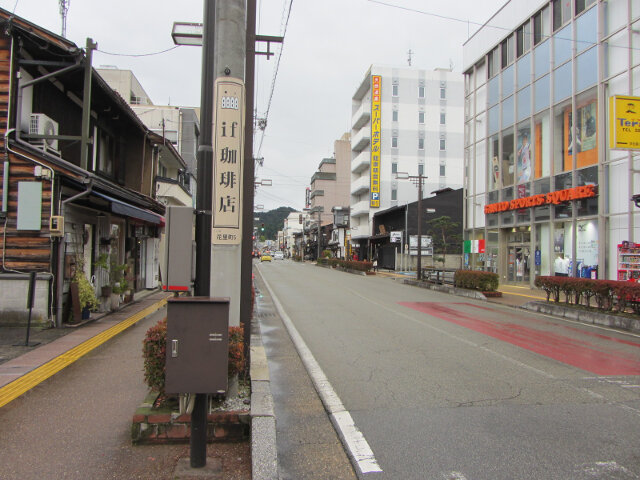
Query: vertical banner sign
x=228, y=125
x=376, y=92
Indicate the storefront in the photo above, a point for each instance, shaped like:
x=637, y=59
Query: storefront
x=547, y=186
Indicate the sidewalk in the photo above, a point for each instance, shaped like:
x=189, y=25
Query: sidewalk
x=22, y=367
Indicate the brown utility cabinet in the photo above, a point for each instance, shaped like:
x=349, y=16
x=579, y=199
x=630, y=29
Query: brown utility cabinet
x=197, y=345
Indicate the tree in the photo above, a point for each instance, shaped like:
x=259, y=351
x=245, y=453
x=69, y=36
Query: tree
x=446, y=236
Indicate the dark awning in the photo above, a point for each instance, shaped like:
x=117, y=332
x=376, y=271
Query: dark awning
x=122, y=208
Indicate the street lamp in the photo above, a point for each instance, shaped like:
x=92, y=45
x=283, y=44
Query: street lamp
x=184, y=33
x=417, y=180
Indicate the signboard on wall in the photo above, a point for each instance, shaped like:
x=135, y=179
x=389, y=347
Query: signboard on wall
x=228, y=127
x=426, y=243
x=376, y=129
x=624, y=122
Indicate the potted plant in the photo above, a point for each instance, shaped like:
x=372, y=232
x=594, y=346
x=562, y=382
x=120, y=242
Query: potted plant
x=83, y=294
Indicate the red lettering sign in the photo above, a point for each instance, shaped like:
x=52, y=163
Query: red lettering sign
x=556, y=198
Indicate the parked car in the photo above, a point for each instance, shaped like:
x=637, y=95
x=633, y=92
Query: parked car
x=278, y=256
x=265, y=258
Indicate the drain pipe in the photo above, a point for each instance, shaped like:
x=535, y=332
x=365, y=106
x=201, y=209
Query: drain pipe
x=61, y=248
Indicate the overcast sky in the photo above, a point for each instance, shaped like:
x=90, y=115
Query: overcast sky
x=329, y=45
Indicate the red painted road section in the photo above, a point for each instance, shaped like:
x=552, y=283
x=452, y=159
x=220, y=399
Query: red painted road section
x=572, y=351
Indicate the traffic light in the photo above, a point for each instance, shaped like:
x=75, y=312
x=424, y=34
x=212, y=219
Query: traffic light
x=262, y=228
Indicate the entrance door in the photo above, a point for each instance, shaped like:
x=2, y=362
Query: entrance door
x=518, y=263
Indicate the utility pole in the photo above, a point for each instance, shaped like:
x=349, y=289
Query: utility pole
x=86, y=104
x=417, y=180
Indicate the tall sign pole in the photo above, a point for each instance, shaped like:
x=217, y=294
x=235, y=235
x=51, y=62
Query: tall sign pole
x=198, y=438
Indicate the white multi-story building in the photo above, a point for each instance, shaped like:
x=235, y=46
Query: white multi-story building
x=292, y=224
x=404, y=120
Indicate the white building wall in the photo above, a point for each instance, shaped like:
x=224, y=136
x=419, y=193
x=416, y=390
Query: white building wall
x=408, y=129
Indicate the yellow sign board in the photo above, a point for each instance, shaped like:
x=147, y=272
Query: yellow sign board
x=624, y=122
x=376, y=146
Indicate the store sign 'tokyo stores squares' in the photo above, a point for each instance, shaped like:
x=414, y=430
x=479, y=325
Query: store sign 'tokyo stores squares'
x=556, y=198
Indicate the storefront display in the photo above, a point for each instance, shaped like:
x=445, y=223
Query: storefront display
x=629, y=261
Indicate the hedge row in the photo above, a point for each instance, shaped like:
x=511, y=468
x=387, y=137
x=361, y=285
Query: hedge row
x=476, y=280
x=361, y=266
x=608, y=294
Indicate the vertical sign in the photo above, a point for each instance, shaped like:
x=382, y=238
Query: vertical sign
x=376, y=92
x=228, y=125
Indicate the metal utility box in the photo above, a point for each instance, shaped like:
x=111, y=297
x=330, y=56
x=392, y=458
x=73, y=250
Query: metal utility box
x=178, y=271
x=197, y=345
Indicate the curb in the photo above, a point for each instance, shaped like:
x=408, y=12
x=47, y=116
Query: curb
x=264, y=453
x=460, y=292
x=584, y=316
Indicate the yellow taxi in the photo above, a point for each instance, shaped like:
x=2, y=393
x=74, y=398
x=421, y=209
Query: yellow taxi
x=265, y=257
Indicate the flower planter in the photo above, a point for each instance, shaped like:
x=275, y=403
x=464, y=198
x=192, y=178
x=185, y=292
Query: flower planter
x=107, y=290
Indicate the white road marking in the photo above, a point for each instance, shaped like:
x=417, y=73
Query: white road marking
x=357, y=446
x=597, y=469
x=454, y=476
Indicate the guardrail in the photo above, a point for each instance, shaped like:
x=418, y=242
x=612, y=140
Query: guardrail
x=440, y=276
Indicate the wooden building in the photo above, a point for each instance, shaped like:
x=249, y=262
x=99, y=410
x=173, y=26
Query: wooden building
x=78, y=174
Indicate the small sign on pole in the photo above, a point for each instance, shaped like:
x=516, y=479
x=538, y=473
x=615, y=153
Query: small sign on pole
x=228, y=127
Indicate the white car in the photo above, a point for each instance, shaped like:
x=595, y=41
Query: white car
x=278, y=256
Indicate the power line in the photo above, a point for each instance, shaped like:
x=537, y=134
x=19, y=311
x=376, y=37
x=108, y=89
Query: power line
x=139, y=54
x=275, y=74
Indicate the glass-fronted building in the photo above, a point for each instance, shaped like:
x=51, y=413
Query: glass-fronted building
x=544, y=190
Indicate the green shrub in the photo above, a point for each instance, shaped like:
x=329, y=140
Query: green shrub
x=476, y=280
x=154, y=348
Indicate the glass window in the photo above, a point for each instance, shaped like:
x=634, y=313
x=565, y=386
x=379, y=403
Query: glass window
x=421, y=91
x=394, y=90
x=615, y=13
x=394, y=142
x=494, y=62
x=588, y=206
x=523, y=39
x=443, y=118
x=541, y=92
x=616, y=53
x=524, y=71
x=421, y=144
x=394, y=167
x=585, y=128
x=421, y=169
x=494, y=90
x=508, y=157
x=507, y=217
x=562, y=82
x=443, y=144
x=480, y=168
x=421, y=117
x=394, y=116
x=442, y=170
x=562, y=182
x=481, y=99
x=494, y=120
x=561, y=13
x=542, y=145
x=394, y=194
x=581, y=5
x=541, y=30
x=562, y=44
x=562, y=143
x=481, y=127
x=507, y=112
x=493, y=160
x=443, y=93
x=586, y=72
x=524, y=154
x=523, y=215
x=524, y=103
x=507, y=81
x=481, y=73
x=587, y=30
x=541, y=59
x=542, y=187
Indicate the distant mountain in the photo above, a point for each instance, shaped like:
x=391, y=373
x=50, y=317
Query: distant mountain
x=273, y=221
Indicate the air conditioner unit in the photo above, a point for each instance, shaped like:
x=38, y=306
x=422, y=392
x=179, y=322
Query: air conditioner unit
x=40, y=124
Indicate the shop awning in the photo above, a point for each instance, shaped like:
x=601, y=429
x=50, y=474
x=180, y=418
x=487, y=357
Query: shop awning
x=122, y=208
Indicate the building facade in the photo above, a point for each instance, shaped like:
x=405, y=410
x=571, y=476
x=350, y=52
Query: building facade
x=545, y=191
x=403, y=120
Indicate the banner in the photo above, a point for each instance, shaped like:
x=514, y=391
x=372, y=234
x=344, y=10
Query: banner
x=376, y=128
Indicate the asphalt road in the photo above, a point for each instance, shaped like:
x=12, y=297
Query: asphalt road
x=444, y=387
x=76, y=425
